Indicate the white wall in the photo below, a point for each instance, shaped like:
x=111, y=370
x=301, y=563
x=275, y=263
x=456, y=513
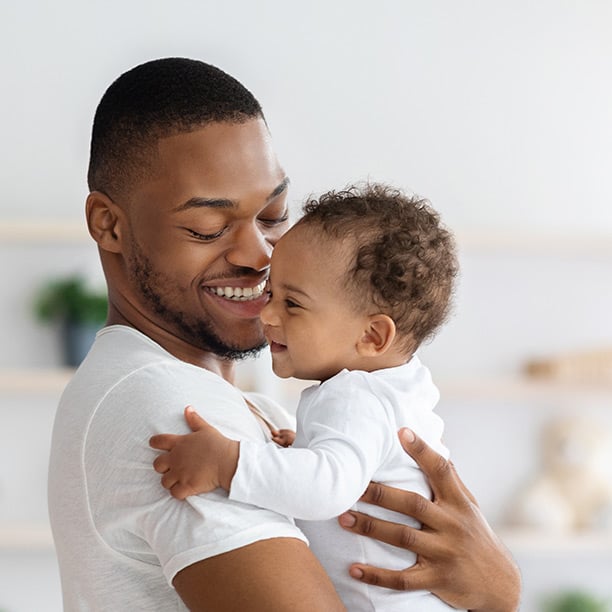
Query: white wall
x=498, y=111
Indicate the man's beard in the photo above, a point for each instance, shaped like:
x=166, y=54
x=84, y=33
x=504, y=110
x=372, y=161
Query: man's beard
x=197, y=332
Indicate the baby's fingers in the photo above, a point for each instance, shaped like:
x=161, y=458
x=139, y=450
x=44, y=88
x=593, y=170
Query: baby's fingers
x=163, y=441
x=161, y=464
x=181, y=491
x=169, y=480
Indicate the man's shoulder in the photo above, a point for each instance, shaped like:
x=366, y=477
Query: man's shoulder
x=127, y=374
x=122, y=357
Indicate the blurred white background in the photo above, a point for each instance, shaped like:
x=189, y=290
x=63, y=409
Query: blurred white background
x=499, y=112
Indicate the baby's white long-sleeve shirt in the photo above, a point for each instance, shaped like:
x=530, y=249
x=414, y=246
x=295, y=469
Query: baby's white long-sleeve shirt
x=347, y=436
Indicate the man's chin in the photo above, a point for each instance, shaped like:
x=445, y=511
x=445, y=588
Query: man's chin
x=232, y=350
x=240, y=354
x=242, y=346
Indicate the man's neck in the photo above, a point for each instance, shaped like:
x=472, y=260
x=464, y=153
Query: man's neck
x=179, y=348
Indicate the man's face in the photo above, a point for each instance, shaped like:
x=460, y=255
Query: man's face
x=202, y=231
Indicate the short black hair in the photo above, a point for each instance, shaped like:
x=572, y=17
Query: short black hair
x=157, y=99
x=402, y=259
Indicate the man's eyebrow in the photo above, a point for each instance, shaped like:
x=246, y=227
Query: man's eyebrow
x=205, y=203
x=279, y=189
x=226, y=202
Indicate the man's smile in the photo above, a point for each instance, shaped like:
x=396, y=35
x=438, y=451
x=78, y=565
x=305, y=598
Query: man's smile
x=238, y=294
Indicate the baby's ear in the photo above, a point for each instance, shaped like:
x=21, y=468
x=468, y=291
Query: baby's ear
x=377, y=336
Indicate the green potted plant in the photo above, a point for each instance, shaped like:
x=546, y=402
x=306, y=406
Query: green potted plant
x=79, y=310
x=575, y=601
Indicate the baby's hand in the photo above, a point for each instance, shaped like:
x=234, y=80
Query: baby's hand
x=283, y=437
x=197, y=462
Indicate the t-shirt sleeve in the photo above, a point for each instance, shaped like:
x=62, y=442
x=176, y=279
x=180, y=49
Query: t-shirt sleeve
x=344, y=437
x=133, y=514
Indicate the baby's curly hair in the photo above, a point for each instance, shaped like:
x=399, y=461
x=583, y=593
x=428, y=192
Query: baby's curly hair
x=404, y=260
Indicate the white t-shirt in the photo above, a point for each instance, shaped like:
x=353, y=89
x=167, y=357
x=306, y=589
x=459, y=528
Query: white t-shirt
x=346, y=436
x=120, y=537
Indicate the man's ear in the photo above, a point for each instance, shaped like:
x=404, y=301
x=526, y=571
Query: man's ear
x=104, y=220
x=377, y=336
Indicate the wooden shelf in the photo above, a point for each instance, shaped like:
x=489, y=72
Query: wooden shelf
x=488, y=240
x=35, y=380
x=497, y=388
x=530, y=542
x=53, y=380
x=581, y=244
x=26, y=536
x=47, y=232
x=521, y=388
x=38, y=537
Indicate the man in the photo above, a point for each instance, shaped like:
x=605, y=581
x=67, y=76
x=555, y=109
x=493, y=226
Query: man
x=187, y=200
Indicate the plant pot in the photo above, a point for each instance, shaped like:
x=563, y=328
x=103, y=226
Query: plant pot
x=77, y=339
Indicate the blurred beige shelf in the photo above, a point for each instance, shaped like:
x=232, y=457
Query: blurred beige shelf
x=585, y=243
x=38, y=537
x=53, y=380
x=26, y=536
x=521, y=388
x=34, y=380
x=499, y=388
x=49, y=232
x=524, y=541
x=579, y=244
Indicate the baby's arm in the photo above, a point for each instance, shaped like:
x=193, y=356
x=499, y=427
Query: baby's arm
x=340, y=450
x=197, y=462
x=334, y=470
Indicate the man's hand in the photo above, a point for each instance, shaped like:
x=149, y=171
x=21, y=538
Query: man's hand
x=459, y=558
x=197, y=462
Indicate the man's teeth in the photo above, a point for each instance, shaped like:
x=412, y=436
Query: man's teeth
x=240, y=294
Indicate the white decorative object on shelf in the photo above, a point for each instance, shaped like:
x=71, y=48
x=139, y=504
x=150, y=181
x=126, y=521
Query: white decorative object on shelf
x=572, y=492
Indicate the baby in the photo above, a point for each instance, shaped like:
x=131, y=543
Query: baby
x=356, y=285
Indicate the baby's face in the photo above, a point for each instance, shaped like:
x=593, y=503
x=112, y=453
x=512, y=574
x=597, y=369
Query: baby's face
x=309, y=323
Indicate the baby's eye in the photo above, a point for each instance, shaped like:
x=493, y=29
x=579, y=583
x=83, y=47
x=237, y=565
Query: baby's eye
x=291, y=304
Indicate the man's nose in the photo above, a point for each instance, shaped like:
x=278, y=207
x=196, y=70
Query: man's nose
x=251, y=249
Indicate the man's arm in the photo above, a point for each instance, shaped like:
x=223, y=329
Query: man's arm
x=277, y=574
x=460, y=559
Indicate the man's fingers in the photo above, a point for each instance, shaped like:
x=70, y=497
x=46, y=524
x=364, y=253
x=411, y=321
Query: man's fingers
x=194, y=420
x=163, y=441
x=403, y=536
x=404, y=502
x=439, y=471
x=413, y=579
